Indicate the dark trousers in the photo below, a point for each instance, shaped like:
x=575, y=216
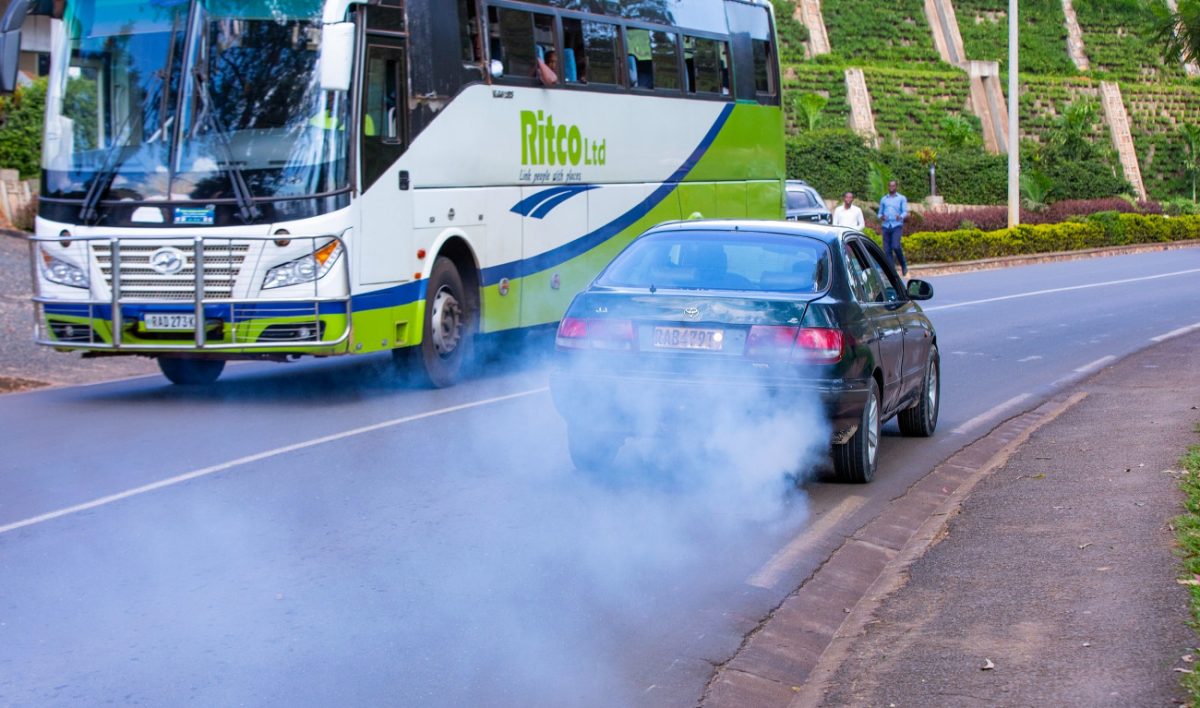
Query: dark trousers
x=891, y=242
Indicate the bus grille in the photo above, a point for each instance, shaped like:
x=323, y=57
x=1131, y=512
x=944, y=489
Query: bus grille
x=139, y=281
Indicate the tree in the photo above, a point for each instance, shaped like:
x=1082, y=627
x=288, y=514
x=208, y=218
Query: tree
x=1178, y=32
x=1071, y=136
x=1191, y=160
x=810, y=106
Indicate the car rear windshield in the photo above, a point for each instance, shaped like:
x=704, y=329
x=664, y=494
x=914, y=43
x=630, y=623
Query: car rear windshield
x=722, y=260
x=797, y=199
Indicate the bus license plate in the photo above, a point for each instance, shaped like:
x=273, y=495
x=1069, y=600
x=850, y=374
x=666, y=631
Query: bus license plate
x=689, y=338
x=171, y=322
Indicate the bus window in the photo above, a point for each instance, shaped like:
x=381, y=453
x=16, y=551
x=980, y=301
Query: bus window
x=382, y=111
x=571, y=65
x=600, y=61
x=653, y=61
x=637, y=44
x=705, y=62
x=762, y=66
x=468, y=32
x=666, y=60
x=510, y=35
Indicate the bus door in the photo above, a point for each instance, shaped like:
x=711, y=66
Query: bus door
x=386, y=251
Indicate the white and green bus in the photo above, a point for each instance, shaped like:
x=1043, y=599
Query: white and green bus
x=274, y=178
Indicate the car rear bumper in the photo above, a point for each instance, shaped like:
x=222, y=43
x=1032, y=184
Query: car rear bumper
x=632, y=403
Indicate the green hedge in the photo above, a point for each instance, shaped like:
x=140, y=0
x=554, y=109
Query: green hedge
x=21, y=129
x=1094, y=232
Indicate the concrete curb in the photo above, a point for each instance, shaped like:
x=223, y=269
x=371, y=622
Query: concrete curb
x=931, y=269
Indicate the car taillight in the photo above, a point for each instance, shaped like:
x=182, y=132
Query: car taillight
x=770, y=341
x=594, y=333
x=810, y=345
x=818, y=345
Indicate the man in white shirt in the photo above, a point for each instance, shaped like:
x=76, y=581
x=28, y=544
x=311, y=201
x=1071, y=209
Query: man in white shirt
x=846, y=214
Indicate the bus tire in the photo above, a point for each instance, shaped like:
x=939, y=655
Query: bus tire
x=449, y=329
x=191, y=372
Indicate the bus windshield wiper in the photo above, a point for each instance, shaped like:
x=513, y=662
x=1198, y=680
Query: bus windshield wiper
x=88, y=213
x=247, y=208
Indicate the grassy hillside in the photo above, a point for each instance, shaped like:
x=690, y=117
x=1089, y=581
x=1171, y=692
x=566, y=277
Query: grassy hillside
x=913, y=91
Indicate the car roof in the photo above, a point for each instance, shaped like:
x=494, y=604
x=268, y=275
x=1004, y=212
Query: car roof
x=828, y=234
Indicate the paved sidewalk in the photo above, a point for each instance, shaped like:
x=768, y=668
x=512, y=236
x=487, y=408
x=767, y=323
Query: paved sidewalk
x=24, y=364
x=1058, y=570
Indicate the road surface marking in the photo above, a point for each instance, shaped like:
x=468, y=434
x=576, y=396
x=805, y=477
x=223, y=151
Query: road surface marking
x=1061, y=290
x=1175, y=333
x=223, y=466
x=1095, y=364
x=991, y=413
x=786, y=558
x=1035, y=357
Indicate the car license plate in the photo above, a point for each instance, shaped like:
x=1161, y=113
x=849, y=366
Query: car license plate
x=170, y=321
x=689, y=338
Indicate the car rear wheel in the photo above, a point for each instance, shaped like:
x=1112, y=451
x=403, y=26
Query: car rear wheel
x=920, y=420
x=191, y=372
x=856, y=459
x=592, y=450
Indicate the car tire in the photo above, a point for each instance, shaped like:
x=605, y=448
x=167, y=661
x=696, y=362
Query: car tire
x=191, y=372
x=448, y=333
x=856, y=460
x=920, y=420
x=592, y=450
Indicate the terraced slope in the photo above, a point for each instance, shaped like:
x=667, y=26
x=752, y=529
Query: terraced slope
x=910, y=105
x=893, y=33
x=828, y=81
x=1156, y=113
x=1118, y=36
x=984, y=28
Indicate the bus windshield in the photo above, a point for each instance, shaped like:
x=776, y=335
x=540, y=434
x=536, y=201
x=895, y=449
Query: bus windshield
x=163, y=99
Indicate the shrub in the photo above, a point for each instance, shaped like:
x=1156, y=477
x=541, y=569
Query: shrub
x=832, y=161
x=996, y=217
x=1098, y=230
x=21, y=128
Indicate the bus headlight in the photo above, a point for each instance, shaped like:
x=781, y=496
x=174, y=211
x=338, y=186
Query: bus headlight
x=312, y=267
x=56, y=270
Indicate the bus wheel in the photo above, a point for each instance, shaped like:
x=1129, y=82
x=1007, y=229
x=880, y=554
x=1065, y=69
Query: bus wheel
x=191, y=372
x=449, y=325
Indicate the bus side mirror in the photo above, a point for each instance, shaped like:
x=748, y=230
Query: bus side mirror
x=10, y=53
x=10, y=43
x=337, y=56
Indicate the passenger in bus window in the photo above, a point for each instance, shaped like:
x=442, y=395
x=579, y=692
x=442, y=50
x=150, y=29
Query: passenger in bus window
x=547, y=70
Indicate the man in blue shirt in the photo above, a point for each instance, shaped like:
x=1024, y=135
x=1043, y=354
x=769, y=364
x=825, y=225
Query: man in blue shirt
x=893, y=210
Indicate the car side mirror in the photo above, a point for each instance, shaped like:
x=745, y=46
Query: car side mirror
x=919, y=290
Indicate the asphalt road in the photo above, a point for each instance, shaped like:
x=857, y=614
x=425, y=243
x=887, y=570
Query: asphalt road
x=323, y=533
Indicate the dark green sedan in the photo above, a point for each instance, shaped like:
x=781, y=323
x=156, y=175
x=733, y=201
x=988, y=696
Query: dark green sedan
x=693, y=314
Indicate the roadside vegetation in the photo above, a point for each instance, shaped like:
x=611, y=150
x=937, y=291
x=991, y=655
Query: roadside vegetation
x=21, y=128
x=1187, y=532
